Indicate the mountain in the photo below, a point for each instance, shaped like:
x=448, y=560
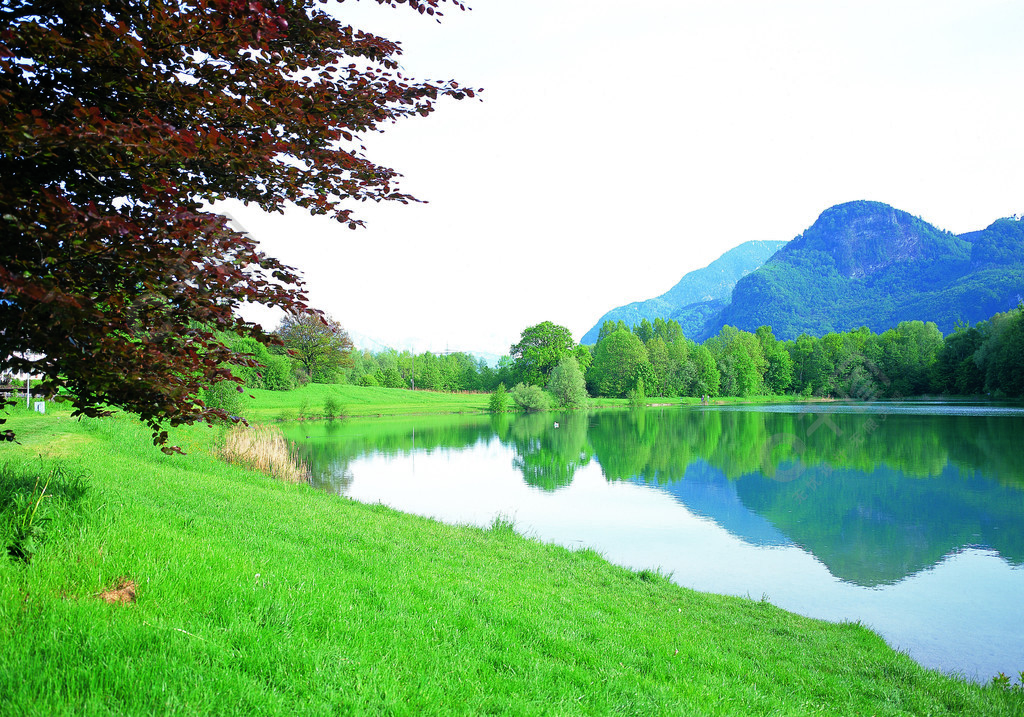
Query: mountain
x=868, y=264
x=699, y=296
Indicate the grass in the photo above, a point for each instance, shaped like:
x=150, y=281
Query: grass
x=314, y=401
x=252, y=595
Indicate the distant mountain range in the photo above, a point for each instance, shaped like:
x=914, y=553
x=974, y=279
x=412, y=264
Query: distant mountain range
x=698, y=296
x=860, y=264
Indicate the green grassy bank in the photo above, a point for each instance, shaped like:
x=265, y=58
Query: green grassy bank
x=312, y=401
x=257, y=597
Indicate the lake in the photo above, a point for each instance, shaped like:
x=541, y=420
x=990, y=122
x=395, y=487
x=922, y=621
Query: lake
x=907, y=517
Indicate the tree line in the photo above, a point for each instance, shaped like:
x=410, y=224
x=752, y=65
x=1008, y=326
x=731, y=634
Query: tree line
x=547, y=368
x=912, y=359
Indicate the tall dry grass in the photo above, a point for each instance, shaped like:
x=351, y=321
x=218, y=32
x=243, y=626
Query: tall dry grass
x=264, y=448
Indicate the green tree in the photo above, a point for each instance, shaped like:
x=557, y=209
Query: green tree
x=670, y=331
x=636, y=395
x=683, y=372
x=707, y=379
x=318, y=342
x=499, y=400
x=644, y=331
x=909, y=353
x=1002, y=355
x=538, y=351
x=122, y=123
x=584, y=356
x=778, y=375
x=956, y=368
x=609, y=327
x=740, y=360
x=663, y=366
x=615, y=362
x=567, y=384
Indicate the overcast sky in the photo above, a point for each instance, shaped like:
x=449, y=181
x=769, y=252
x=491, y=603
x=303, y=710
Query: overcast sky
x=621, y=145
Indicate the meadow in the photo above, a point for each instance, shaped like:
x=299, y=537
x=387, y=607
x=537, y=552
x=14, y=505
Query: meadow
x=316, y=401
x=155, y=584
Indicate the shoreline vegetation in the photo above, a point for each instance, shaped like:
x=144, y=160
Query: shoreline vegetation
x=186, y=584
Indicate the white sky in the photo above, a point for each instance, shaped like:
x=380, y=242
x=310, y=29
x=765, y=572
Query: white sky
x=622, y=144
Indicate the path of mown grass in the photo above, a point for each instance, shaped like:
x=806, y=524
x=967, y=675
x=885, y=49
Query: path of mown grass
x=256, y=597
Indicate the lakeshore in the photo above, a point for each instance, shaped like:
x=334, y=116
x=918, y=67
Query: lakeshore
x=251, y=595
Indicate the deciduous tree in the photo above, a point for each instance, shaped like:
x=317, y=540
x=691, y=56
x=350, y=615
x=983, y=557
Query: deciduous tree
x=616, y=359
x=539, y=350
x=122, y=122
x=567, y=384
x=318, y=342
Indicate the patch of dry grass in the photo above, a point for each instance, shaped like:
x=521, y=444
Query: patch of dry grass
x=265, y=449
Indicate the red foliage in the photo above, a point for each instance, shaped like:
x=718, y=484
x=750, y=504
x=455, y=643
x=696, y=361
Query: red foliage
x=123, y=120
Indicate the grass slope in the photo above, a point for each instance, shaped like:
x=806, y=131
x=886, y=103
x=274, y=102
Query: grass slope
x=310, y=400
x=256, y=597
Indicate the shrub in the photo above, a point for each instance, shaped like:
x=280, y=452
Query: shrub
x=332, y=407
x=225, y=395
x=530, y=397
x=637, y=396
x=278, y=374
x=499, y=400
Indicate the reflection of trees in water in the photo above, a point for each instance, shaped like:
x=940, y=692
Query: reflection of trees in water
x=658, y=445
x=548, y=456
x=874, y=505
x=329, y=448
x=874, y=501
x=328, y=469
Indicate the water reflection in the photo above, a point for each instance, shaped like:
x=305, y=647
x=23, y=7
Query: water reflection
x=875, y=495
x=547, y=452
x=911, y=521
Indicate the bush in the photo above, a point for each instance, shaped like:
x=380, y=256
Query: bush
x=530, y=397
x=332, y=407
x=225, y=395
x=278, y=374
x=499, y=400
x=637, y=396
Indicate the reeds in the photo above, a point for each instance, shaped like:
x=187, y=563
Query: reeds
x=264, y=448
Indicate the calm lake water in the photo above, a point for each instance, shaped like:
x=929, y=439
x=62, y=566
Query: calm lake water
x=908, y=517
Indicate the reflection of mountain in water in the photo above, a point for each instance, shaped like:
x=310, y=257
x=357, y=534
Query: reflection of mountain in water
x=876, y=497
x=880, y=496
x=877, y=527
x=705, y=491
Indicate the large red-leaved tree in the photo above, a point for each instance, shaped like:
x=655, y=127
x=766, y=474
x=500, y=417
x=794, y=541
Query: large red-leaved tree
x=121, y=122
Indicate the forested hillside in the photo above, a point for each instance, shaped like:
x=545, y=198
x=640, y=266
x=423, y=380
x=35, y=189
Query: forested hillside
x=868, y=264
x=860, y=264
